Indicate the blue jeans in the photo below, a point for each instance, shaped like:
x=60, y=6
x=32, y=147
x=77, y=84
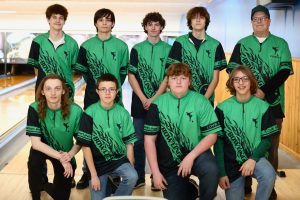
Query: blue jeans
x=206, y=169
x=265, y=175
x=139, y=149
x=128, y=176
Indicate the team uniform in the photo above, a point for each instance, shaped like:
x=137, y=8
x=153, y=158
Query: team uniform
x=50, y=60
x=180, y=124
x=147, y=63
x=107, y=132
x=97, y=57
x=265, y=60
x=58, y=133
x=246, y=131
x=203, y=57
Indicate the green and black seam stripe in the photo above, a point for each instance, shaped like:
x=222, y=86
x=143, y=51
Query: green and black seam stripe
x=172, y=60
x=210, y=127
x=84, y=136
x=151, y=129
x=132, y=69
x=32, y=62
x=270, y=131
x=32, y=130
x=129, y=139
x=219, y=64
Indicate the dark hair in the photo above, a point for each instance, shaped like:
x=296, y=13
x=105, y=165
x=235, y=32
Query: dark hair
x=104, y=12
x=192, y=13
x=177, y=69
x=247, y=71
x=42, y=102
x=57, y=9
x=153, y=17
x=107, y=77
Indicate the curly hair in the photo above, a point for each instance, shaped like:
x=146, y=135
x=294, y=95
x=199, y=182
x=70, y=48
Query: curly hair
x=42, y=102
x=57, y=9
x=247, y=71
x=153, y=17
x=194, y=12
x=177, y=69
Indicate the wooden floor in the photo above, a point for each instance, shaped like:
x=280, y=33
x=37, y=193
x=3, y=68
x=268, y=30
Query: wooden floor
x=13, y=80
x=14, y=186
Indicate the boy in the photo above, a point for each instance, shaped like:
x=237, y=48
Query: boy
x=146, y=77
x=107, y=136
x=179, y=130
x=247, y=127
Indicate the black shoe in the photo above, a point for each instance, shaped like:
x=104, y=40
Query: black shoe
x=83, y=182
x=248, y=190
x=281, y=174
x=273, y=195
x=73, y=183
x=153, y=188
x=139, y=183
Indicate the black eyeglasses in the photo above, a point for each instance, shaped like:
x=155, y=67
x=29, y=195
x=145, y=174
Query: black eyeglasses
x=238, y=79
x=259, y=19
x=109, y=90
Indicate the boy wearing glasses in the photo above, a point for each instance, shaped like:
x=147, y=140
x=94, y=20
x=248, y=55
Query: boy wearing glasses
x=243, y=143
x=106, y=135
x=101, y=54
x=269, y=59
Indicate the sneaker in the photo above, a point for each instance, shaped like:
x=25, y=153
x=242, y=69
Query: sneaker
x=273, y=195
x=153, y=188
x=281, y=174
x=139, y=183
x=83, y=182
x=73, y=183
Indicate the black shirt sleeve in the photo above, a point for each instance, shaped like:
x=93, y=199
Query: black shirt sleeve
x=33, y=127
x=152, y=122
x=175, y=54
x=276, y=81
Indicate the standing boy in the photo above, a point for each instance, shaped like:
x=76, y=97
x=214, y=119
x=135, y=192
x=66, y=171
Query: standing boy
x=54, y=52
x=204, y=54
x=146, y=77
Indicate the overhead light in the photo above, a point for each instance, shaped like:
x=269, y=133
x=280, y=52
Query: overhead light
x=7, y=11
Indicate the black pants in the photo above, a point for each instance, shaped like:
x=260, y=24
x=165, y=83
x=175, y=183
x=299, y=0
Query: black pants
x=61, y=187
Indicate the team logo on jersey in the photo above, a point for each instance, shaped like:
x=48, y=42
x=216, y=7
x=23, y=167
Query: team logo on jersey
x=189, y=114
x=114, y=55
x=275, y=49
x=208, y=53
x=66, y=54
x=119, y=126
x=66, y=125
x=255, y=122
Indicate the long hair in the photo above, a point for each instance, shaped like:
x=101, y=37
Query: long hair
x=193, y=12
x=247, y=71
x=42, y=102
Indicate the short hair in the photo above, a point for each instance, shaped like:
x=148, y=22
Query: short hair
x=247, y=71
x=57, y=9
x=153, y=17
x=42, y=102
x=104, y=12
x=107, y=77
x=192, y=13
x=177, y=69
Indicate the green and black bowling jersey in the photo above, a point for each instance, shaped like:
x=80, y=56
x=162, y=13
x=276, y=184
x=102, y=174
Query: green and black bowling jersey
x=97, y=57
x=49, y=60
x=244, y=125
x=106, y=132
x=209, y=57
x=180, y=124
x=147, y=63
x=54, y=131
x=265, y=60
